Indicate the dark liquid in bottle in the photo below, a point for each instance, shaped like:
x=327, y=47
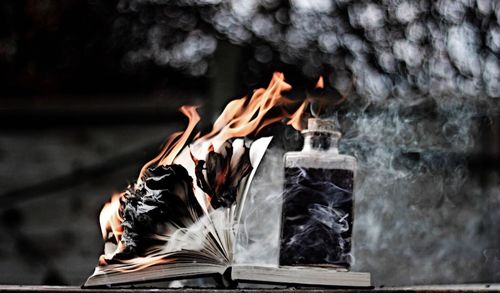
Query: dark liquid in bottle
x=317, y=217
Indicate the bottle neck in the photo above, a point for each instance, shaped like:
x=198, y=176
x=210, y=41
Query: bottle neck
x=321, y=142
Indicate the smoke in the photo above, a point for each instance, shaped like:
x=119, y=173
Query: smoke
x=421, y=216
x=257, y=240
x=425, y=76
x=317, y=213
x=419, y=212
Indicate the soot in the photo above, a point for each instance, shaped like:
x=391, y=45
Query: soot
x=221, y=179
x=162, y=200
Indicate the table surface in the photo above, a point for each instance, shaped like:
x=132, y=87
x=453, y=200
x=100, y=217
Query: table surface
x=429, y=288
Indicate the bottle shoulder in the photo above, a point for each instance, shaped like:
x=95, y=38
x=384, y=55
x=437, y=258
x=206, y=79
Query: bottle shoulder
x=322, y=160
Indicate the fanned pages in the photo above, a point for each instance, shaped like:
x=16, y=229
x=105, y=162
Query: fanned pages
x=173, y=235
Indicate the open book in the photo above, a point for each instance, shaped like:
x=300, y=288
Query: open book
x=170, y=231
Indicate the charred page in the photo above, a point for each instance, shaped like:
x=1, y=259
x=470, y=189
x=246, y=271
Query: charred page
x=178, y=220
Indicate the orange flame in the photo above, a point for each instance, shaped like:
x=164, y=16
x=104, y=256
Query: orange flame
x=194, y=118
x=110, y=219
x=320, y=84
x=296, y=118
x=240, y=120
x=139, y=263
x=176, y=141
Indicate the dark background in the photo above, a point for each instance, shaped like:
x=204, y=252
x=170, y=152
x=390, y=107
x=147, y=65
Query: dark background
x=89, y=90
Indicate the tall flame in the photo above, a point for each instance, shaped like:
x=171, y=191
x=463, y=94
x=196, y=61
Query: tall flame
x=176, y=141
x=240, y=118
x=321, y=83
x=110, y=219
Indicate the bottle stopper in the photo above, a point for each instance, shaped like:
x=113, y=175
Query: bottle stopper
x=322, y=125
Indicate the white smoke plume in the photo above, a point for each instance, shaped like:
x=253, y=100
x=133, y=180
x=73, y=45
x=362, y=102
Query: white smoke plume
x=419, y=213
x=257, y=241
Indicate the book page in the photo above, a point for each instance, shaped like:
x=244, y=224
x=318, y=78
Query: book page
x=257, y=238
x=257, y=154
x=300, y=275
x=166, y=223
x=182, y=269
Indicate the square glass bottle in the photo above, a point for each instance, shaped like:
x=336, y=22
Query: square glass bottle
x=317, y=213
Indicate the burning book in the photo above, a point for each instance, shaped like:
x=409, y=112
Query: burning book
x=183, y=216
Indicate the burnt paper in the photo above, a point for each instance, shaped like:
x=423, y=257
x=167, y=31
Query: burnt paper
x=161, y=201
x=223, y=174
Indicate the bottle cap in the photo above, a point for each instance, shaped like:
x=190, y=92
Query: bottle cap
x=322, y=125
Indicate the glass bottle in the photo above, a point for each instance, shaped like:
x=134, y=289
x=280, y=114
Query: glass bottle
x=317, y=213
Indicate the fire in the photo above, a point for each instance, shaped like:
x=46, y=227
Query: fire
x=296, y=118
x=240, y=118
x=139, y=263
x=320, y=84
x=176, y=141
x=110, y=219
x=111, y=223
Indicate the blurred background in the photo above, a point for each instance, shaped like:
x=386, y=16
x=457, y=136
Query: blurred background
x=90, y=90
